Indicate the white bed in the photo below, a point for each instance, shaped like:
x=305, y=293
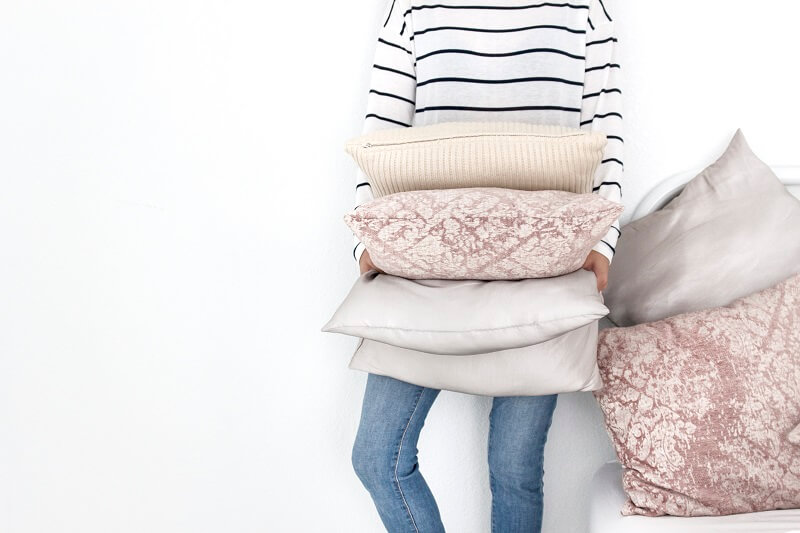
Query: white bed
x=606, y=495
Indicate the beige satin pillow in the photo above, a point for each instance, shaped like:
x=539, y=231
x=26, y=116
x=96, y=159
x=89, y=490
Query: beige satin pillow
x=466, y=317
x=566, y=363
x=732, y=231
x=515, y=155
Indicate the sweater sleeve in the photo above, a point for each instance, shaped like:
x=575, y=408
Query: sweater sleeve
x=601, y=110
x=392, y=89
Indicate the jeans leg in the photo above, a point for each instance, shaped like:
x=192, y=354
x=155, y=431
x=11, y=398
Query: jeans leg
x=518, y=427
x=385, y=454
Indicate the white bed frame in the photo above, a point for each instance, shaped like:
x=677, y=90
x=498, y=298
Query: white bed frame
x=606, y=495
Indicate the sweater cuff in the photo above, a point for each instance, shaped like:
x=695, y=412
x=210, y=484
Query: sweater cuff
x=605, y=250
x=358, y=249
x=607, y=245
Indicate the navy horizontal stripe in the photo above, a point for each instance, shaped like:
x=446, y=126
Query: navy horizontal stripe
x=362, y=184
x=617, y=230
x=615, y=138
x=502, y=30
x=606, y=183
x=613, y=160
x=601, y=67
x=607, y=40
x=384, y=41
x=386, y=119
x=510, y=80
x=529, y=6
x=602, y=115
x=500, y=54
x=516, y=108
x=598, y=93
x=390, y=95
x=389, y=69
x=613, y=250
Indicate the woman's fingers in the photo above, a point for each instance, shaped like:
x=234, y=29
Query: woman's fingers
x=597, y=263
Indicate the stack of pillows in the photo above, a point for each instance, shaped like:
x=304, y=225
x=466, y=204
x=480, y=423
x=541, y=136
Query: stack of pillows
x=481, y=229
x=702, y=379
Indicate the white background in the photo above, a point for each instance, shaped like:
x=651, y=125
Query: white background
x=172, y=181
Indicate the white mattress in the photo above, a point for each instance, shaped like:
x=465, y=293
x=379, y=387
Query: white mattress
x=606, y=498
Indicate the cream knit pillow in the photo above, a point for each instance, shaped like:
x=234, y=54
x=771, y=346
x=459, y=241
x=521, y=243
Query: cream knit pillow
x=514, y=155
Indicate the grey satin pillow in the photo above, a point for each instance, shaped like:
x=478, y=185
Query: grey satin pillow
x=463, y=317
x=733, y=230
x=566, y=363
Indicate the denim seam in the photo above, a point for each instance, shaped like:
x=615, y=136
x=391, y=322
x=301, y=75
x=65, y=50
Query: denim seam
x=491, y=477
x=544, y=441
x=397, y=460
x=541, y=452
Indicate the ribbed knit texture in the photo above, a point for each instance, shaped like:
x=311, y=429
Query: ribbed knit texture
x=514, y=155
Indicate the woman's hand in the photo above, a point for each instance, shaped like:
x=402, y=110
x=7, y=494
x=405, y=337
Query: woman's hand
x=365, y=263
x=597, y=263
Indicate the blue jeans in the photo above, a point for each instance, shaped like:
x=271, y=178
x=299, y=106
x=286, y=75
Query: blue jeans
x=385, y=457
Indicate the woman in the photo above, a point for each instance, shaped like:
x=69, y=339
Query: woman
x=546, y=63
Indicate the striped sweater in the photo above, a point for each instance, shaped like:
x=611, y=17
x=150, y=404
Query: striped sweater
x=515, y=60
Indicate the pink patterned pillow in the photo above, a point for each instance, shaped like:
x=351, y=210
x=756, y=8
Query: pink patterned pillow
x=482, y=233
x=794, y=435
x=700, y=407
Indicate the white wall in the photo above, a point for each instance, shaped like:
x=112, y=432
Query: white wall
x=172, y=182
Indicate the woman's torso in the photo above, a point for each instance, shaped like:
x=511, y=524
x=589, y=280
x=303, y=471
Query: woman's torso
x=537, y=78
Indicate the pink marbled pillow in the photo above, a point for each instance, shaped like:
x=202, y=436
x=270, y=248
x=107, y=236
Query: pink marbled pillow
x=794, y=435
x=701, y=407
x=481, y=233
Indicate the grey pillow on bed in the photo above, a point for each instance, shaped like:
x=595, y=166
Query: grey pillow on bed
x=733, y=230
